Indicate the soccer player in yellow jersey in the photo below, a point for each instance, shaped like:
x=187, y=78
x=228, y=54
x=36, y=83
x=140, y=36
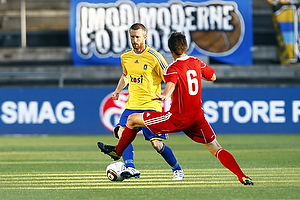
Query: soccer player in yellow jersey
x=143, y=72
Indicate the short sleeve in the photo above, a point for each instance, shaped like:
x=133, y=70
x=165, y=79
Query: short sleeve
x=123, y=65
x=207, y=71
x=170, y=74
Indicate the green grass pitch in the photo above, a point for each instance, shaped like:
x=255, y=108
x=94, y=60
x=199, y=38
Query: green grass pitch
x=72, y=167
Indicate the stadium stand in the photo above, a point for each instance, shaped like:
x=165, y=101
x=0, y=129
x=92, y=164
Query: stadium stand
x=46, y=61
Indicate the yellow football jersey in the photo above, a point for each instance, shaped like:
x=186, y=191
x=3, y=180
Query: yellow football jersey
x=144, y=73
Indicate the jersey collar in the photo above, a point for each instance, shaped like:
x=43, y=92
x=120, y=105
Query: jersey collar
x=183, y=58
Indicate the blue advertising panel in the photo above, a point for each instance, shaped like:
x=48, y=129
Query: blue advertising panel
x=93, y=111
x=253, y=110
x=221, y=30
x=51, y=111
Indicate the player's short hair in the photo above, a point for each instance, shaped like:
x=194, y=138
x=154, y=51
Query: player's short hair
x=138, y=26
x=177, y=43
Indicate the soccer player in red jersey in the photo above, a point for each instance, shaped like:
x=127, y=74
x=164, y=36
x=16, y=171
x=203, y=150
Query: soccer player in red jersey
x=183, y=83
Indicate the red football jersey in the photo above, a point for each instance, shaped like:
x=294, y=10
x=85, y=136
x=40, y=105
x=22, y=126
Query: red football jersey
x=185, y=73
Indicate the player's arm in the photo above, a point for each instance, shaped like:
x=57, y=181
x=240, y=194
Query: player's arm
x=208, y=73
x=123, y=81
x=213, y=78
x=170, y=86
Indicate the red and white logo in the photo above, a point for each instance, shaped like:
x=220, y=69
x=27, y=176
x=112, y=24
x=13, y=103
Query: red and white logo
x=110, y=110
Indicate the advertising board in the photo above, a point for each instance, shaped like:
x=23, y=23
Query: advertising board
x=89, y=111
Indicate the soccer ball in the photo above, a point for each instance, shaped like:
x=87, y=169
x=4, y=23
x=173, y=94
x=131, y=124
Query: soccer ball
x=114, y=169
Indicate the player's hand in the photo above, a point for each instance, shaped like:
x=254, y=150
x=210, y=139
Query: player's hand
x=160, y=97
x=115, y=95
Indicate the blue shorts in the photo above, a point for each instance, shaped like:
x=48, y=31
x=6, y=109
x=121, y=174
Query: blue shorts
x=146, y=132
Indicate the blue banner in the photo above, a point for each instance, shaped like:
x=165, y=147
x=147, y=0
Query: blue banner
x=51, y=111
x=253, y=110
x=92, y=110
x=221, y=30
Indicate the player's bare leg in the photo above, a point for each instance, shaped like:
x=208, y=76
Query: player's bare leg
x=135, y=120
x=157, y=144
x=228, y=161
x=213, y=147
x=120, y=131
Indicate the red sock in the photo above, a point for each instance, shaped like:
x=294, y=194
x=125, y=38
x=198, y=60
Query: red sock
x=128, y=135
x=229, y=162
